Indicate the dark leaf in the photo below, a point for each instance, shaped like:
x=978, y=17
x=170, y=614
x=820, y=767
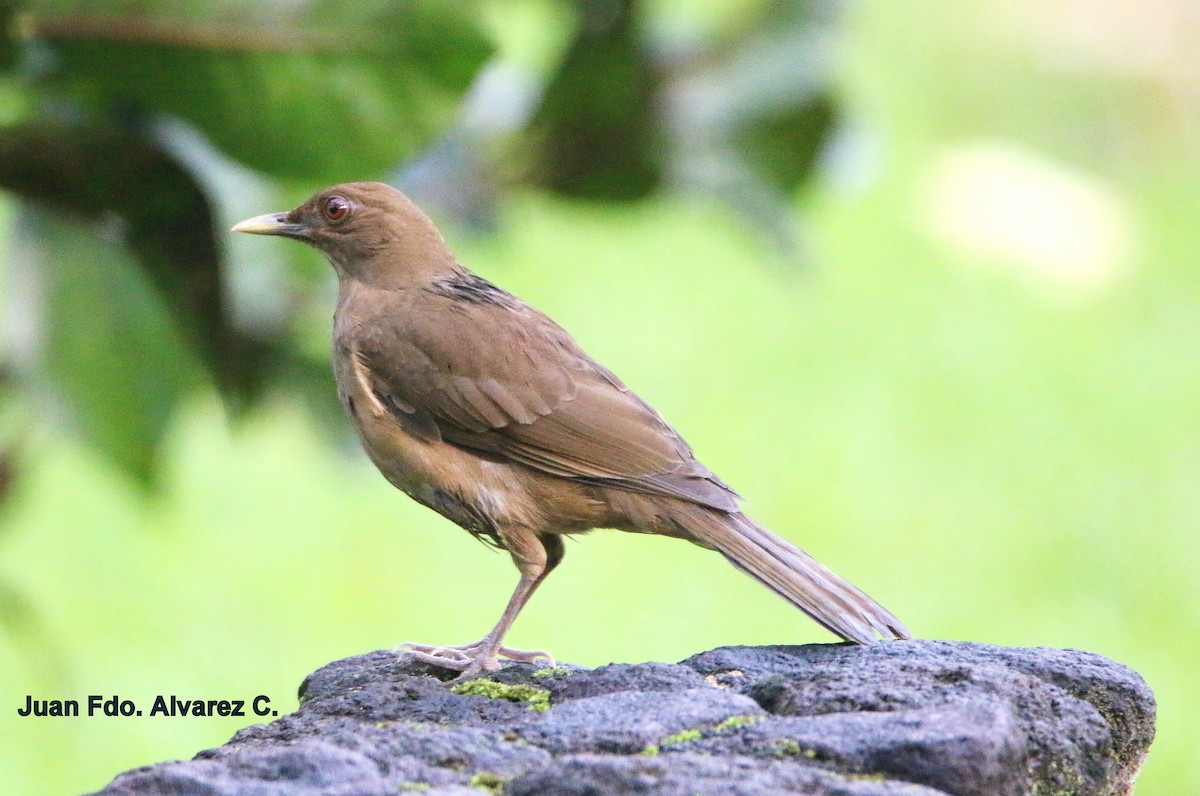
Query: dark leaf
x=782, y=145
x=778, y=77
x=9, y=47
x=596, y=127
x=164, y=220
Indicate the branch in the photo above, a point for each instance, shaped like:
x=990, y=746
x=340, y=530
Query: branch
x=199, y=36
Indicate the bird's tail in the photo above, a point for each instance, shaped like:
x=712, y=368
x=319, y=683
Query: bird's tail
x=795, y=576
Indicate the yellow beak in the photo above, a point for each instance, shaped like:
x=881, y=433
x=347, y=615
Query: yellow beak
x=269, y=224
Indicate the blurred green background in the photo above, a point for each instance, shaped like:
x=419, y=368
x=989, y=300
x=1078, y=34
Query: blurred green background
x=919, y=279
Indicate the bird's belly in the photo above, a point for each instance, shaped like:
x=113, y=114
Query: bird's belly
x=427, y=471
x=471, y=491
x=475, y=493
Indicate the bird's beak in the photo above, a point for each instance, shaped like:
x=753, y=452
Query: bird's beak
x=271, y=224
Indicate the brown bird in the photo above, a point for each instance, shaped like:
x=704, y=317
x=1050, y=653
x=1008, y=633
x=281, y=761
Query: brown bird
x=486, y=411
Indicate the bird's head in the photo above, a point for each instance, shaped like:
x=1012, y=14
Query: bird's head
x=369, y=231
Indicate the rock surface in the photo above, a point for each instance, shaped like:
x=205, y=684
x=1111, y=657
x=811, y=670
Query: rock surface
x=920, y=718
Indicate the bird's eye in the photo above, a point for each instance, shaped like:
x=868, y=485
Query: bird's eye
x=336, y=208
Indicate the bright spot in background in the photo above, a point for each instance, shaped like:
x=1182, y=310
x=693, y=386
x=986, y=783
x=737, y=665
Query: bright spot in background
x=1049, y=224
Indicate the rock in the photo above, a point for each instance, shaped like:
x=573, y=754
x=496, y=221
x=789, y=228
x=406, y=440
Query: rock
x=1080, y=723
x=630, y=722
x=920, y=718
x=685, y=774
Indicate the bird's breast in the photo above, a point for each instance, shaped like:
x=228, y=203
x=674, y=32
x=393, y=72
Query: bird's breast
x=470, y=491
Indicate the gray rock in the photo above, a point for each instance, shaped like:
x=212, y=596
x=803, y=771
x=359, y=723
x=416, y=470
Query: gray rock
x=630, y=722
x=964, y=748
x=1084, y=722
x=686, y=774
x=616, y=677
x=918, y=718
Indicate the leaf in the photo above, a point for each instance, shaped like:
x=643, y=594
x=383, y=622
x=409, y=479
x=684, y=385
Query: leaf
x=321, y=92
x=165, y=222
x=769, y=101
x=8, y=43
x=751, y=115
x=596, y=126
x=783, y=145
x=108, y=345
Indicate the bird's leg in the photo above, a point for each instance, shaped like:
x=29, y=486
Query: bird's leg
x=535, y=556
x=483, y=655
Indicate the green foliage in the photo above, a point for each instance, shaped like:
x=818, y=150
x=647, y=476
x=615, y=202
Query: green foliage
x=782, y=144
x=596, y=121
x=308, y=93
x=116, y=353
x=780, y=109
x=9, y=47
x=313, y=91
x=95, y=175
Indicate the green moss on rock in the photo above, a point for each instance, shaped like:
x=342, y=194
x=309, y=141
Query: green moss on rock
x=734, y=722
x=786, y=747
x=488, y=781
x=537, y=698
x=683, y=736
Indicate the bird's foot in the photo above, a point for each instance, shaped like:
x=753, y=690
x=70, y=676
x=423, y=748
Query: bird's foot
x=471, y=659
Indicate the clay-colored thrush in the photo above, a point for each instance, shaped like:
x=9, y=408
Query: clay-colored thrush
x=486, y=411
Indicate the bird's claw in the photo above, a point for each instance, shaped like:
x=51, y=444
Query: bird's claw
x=473, y=658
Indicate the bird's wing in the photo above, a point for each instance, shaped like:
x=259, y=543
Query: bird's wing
x=505, y=381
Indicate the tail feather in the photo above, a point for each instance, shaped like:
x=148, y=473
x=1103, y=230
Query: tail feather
x=795, y=576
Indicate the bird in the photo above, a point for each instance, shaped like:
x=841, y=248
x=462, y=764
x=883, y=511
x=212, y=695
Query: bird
x=485, y=410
